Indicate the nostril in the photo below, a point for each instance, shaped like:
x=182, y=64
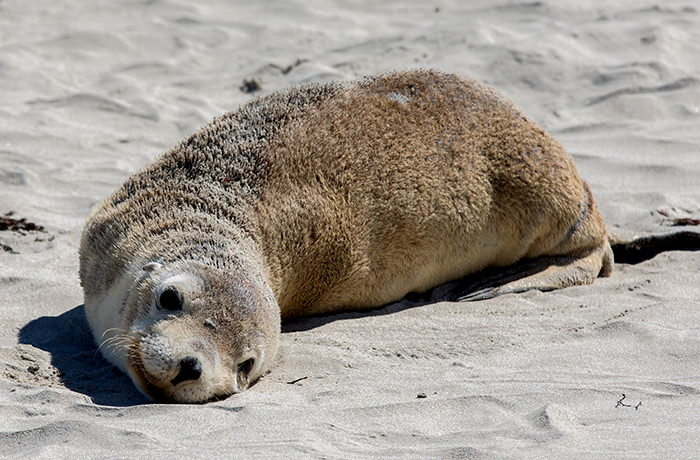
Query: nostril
x=190, y=369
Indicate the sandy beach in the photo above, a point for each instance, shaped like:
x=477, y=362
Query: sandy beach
x=93, y=91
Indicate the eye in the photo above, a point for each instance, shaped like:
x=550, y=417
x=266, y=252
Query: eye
x=170, y=299
x=246, y=366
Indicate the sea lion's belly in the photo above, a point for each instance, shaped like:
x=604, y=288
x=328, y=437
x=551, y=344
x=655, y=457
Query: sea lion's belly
x=361, y=241
x=330, y=255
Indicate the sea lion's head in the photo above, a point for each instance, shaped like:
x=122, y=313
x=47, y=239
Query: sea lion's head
x=190, y=332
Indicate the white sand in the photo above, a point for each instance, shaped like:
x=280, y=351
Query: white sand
x=92, y=91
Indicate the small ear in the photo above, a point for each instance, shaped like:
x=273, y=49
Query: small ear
x=152, y=266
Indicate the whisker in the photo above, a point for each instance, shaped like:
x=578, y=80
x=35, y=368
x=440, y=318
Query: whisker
x=124, y=339
x=123, y=331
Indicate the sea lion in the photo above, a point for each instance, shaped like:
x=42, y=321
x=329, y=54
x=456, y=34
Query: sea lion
x=318, y=199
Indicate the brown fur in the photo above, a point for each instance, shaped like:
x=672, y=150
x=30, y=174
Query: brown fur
x=372, y=195
x=348, y=196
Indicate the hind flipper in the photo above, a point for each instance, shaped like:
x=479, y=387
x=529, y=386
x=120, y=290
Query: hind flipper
x=542, y=273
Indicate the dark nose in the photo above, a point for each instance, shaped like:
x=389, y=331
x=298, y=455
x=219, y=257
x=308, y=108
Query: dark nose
x=190, y=369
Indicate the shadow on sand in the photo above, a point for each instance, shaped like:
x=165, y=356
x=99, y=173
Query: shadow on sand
x=74, y=353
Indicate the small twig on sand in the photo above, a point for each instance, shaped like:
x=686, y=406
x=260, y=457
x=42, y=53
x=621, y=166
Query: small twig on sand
x=620, y=403
x=297, y=380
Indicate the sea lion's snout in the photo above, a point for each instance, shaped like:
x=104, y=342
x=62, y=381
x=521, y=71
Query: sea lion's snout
x=190, y=369
x=174, y=361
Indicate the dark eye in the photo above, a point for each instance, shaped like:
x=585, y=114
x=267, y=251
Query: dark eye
x=170, y=299
x=246, y=366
